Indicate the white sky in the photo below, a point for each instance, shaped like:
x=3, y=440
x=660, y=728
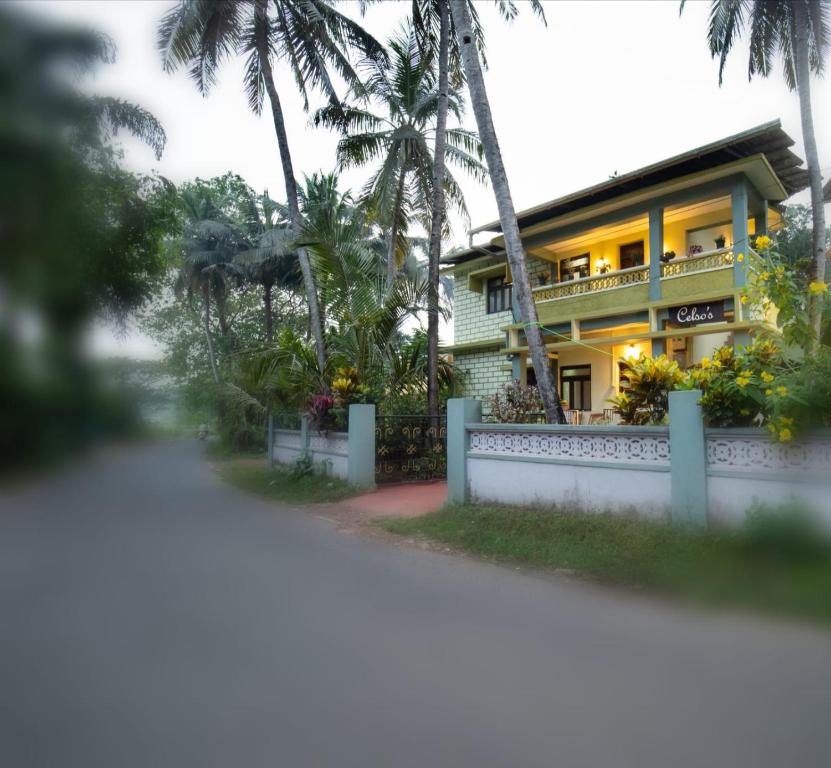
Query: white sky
x=607, y=86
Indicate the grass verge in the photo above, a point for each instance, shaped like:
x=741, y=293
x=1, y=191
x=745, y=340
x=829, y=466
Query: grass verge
x=278, y=484
x=766, y=566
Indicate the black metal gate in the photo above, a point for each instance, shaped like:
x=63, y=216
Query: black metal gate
x=409, y=448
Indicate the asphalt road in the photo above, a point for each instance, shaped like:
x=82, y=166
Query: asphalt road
x=153, y=617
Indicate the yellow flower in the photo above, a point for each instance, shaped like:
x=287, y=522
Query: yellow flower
x=767, y=377
x=768, y=392
x=817, y=287
x=746, y=374
x=780, y=271
x=781, y=391
x=765, y=275
x=744, y=299
x=785, y=435
x=771, y=428
x=742, y=381
x=762, y=242
x=705, y=362
x=740, y=257
x=786, y=421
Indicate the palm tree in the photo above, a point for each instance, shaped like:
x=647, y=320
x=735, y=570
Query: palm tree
x=272, y=261
x=309, y=35
x=401, y=186
x=799, y=31
x=208, y=247
x=433, y=25
x=507, y=215
x=367, y=316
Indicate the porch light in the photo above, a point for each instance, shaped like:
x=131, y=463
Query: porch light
x=632, y=352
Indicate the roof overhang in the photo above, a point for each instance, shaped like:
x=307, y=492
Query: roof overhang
x=768, y=139
x=757, y=169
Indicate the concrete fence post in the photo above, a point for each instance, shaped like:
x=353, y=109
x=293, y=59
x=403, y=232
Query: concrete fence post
x=688, y=453
x=304, y=433
x=361, y=461
x=270, y=441
x=460, y=411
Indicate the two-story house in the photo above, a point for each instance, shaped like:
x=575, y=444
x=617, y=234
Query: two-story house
x=643, y=263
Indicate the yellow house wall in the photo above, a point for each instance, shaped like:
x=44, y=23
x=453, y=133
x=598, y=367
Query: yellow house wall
x=708, y=226
x=602, y=364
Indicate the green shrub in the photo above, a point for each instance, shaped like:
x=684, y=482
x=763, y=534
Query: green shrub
x=303, y=466
x=651, y=379
x=786, y=533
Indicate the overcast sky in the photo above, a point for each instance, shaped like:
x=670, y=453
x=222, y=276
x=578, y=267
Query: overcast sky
x=605, y=87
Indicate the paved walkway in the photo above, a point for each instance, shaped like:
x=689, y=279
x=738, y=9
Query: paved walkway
x=400, y=500
x=152, y=616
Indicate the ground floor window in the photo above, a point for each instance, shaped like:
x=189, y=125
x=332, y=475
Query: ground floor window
x=576, y=386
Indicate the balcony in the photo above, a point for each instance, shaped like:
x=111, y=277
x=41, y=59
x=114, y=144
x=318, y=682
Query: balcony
x=717, y=259
x=626, y=290
x=592, y=284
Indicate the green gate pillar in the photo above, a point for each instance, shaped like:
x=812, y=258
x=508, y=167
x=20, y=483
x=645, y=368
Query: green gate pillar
x=361, y=461
x=460, y=411
x=688, y=455
x=304, y=433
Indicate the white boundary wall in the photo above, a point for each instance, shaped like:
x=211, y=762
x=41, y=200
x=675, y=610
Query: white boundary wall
x=601, y=469
x=745, y=466
x=328, y=450
x=629, y=469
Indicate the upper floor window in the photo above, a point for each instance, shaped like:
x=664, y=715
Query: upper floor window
x=631, y=255
x=575, y=267
x=499, y=295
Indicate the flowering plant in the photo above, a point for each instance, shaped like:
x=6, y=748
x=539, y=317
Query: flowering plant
x=738, y=386
x=515, y=403
x=774, y=288
x=318, y=411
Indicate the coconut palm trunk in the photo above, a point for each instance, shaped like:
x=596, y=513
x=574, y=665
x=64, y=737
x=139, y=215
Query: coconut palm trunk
x=206, y=297
x=437, y=221
x=803, y=85
x=396, y=208
x=507, y=214
x=269, y=312
x=315, y=320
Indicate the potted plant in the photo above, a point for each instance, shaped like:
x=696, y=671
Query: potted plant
x=667, y=256
x=720, y=240
x=543, y=278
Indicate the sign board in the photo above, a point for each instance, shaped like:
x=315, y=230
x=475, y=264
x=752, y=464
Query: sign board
x=692, y=314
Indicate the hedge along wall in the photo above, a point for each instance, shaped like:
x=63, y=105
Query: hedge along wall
x=682, y=472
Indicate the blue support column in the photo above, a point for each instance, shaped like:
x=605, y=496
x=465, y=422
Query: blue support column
x=656, y=249
x=738, y=198
x=361, y=461
x=688, y=452
x=659, y=347
x=460, y=411
x=760, y=220
x=516, y=367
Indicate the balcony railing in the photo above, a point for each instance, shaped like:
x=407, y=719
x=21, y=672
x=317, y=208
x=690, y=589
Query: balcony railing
x=721, y=257
x=619, y=279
